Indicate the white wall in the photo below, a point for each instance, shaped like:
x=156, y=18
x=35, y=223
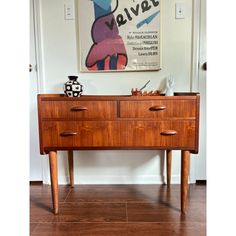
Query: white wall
x=60, y=50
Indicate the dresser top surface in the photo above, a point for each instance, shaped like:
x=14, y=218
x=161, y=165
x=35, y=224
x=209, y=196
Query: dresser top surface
x=117, y=97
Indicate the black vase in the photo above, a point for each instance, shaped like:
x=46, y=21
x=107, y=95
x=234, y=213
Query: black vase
x=72, y=87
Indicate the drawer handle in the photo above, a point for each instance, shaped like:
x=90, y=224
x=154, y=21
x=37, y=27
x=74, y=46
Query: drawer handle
x=157, y=108
x=169, y=132
x=79, y=108
x=68, y=133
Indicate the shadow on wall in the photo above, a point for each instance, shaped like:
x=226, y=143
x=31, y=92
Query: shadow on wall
x=119, y=158
x=119, y=163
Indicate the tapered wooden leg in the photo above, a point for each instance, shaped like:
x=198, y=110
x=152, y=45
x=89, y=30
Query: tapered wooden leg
x=71, y=168
x=185, y=160
x=168, y=166
x=54, y=180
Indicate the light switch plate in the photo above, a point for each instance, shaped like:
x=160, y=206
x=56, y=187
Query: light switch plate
x=179, y=10
x=69, y=12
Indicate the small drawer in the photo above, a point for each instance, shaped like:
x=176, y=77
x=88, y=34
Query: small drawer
x=158, y=109
x=79, y=134
x=163, y=134
x=79, y=110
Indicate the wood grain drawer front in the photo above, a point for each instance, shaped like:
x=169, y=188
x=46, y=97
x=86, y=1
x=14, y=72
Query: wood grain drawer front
x=95, y=110
x=163, y=134
x=158, y=109
x=69, y=134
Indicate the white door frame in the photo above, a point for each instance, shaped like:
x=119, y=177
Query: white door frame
x=195, y=64
x=195, y=44
x=38, y=44
x=40, y=69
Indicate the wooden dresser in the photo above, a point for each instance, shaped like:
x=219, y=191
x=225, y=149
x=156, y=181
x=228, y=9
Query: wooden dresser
x=119, y=122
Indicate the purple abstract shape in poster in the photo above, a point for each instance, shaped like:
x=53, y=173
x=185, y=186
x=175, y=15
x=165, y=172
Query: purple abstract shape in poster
x=107, y=42
x=105, y=27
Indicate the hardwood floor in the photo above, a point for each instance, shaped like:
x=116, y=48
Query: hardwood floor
x=107, y=210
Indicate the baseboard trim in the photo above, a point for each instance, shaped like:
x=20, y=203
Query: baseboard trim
x=175, y=179
x=201, y=182
x=36, y=182
x=120, y=179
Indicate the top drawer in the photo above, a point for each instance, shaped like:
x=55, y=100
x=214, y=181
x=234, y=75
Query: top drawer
x=158, y=109
x=81, y=110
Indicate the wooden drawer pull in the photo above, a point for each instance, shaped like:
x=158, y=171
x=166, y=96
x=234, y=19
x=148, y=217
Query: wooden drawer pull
x=68, y=133
x=79, y=108
x=157, y=108
x=169, y=132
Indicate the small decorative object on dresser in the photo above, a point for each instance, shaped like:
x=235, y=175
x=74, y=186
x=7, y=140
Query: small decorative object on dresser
x=169, y=86
x=72, y=87
x=139, y=92
x=136, y=92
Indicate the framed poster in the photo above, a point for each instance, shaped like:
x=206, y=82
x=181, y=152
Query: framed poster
x=119, y=35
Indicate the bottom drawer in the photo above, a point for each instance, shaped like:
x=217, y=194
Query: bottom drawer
x=119, y=135
x=164, y=134
x=68, y=134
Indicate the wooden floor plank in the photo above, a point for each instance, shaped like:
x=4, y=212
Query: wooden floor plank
x=120, y=229
x=33, y=227
x=42, y=193
x=166, y=229
x=168, y=212
x=82, y=212
x=81, y=229
x=118, y=193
